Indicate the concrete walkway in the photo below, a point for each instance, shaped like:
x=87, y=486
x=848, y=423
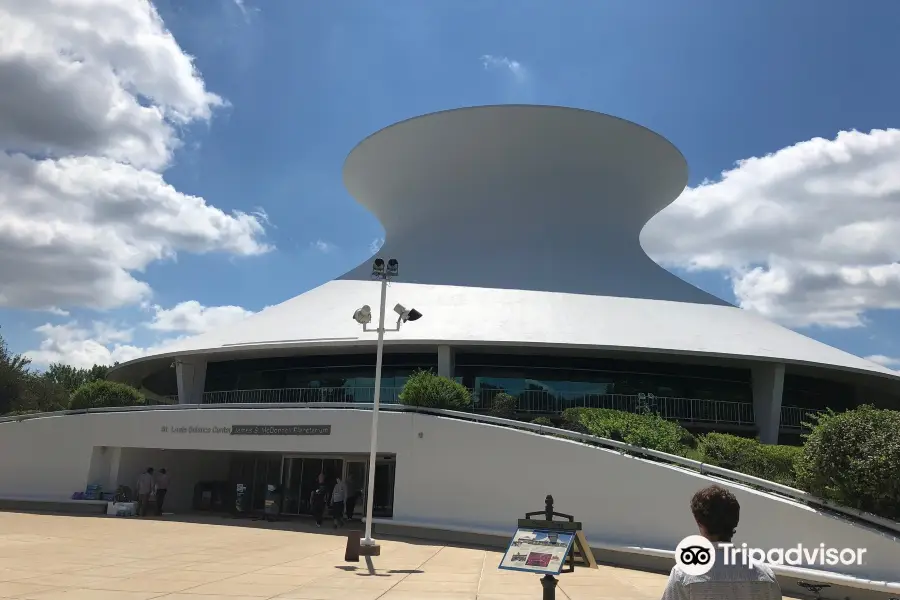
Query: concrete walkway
x=50, y=557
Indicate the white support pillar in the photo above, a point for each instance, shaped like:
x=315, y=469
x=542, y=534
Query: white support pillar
x=768, y=384
x=446, y=361
x=112, y=479
x=191, y=378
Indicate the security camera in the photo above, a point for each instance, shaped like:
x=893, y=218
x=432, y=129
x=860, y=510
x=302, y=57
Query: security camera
x=378, y=268
x=407, y=315
x=393, y=267
x=363, y=315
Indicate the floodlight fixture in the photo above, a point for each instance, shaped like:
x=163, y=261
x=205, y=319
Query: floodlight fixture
x=378, y=267
x=407, y=315
x=363, y=315
x=393, y=267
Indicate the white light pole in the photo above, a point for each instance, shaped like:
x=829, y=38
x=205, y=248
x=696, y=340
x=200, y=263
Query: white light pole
x=363, y=316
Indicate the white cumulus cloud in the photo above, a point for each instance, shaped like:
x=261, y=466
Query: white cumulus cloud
x=93, y=95
x=809, y=235
x=193, y=317
x=105, y=343
x=886, y=361
x=514, y=67
x=322, y=246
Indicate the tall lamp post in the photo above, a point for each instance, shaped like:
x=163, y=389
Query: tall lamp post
x=363, y=316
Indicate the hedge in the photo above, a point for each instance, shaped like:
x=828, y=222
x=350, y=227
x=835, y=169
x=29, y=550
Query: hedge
x=427, y=390
x=853, y=458
x=644, y=430
x=504, y=405
x=747, y=455
x=102, y=393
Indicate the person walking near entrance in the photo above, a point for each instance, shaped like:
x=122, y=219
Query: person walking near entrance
x=162, y=487
x=337, y=503
x=144, y=489
x=318, y=499
x=352, y=494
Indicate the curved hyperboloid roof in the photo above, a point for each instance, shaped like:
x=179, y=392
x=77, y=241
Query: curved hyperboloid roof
x=519, y=225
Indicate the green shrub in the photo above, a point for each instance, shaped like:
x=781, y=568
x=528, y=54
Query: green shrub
x=102, y=393
x=853, y=458
x=747, y=455
x=545, y=421
x=504, y=405
x=644, y=430
x=427, y=390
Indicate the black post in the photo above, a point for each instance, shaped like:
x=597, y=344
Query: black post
x=549, y=582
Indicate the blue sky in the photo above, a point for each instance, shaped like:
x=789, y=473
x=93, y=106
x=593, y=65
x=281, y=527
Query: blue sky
x=305, y=81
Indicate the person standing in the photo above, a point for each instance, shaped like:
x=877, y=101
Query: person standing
x=338, y=494
x=162, y=486
x=144, y=489
x=352, y=495
x=318, y=499
x=717, y=512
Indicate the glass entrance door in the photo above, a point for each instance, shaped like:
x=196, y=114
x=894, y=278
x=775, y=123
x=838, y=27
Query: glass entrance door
x=301, y=476
x=383, y=506
x=355, y=480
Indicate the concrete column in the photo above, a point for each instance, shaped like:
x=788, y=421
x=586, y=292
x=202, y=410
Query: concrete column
x=446, y=361
x=191, y=378
x=113, y=476
x=768, y=384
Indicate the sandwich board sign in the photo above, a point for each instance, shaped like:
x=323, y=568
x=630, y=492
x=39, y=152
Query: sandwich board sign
x=538, y=551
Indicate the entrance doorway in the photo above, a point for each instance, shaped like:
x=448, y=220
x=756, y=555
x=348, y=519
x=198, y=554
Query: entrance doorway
x=254, y=472
x=301, y=476
x=297, y=476
x=355, y=476
x=384, y=488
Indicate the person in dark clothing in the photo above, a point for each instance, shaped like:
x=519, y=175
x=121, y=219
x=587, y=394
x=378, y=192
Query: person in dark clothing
x=162, y=488
x=318, y=499
x=352, y=495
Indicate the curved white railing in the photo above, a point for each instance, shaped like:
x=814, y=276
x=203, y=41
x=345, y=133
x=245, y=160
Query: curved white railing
x=694, y=465
x=538, y=402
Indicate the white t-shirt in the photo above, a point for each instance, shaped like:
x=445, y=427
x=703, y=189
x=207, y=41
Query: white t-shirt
x=338, y=493
x=145, y=483
x=723, y=582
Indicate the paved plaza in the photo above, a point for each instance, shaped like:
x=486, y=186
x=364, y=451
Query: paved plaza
x=50, y=557
x=54, y=557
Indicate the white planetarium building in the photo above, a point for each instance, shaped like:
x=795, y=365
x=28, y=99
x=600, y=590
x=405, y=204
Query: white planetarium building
x=517, y=233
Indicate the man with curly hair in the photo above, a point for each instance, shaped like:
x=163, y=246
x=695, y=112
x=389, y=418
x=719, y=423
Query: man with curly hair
x=717, y=513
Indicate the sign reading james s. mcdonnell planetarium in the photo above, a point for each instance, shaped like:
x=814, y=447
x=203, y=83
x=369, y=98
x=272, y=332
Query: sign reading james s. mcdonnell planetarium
x=252, y=429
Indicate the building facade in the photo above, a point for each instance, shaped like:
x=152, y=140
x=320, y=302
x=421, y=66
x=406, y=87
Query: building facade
x=517, y=230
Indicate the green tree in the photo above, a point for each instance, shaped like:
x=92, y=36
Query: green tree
x=13, y=374
x=71, y=378
x=41, y=395
x=102, y=393
x=425, y=389
x=853, y=458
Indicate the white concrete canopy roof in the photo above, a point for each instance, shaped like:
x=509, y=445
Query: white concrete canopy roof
x=469, y=316
x=518, y=226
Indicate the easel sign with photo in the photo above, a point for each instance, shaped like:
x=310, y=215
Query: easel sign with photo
x=548, y=547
